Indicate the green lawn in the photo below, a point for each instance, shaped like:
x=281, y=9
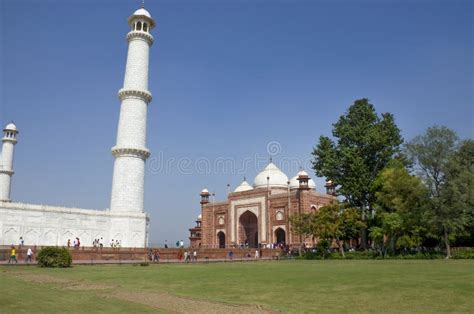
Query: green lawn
x=291, y=286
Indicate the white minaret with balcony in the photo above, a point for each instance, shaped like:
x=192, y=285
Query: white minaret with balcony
x=130, y=152
x=6, y=161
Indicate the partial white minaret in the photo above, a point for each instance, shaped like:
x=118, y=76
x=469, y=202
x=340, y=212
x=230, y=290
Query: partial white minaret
x=6, y=170
x=130, y=151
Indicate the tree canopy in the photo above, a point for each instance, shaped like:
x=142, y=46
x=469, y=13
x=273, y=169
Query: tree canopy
x=364, y=144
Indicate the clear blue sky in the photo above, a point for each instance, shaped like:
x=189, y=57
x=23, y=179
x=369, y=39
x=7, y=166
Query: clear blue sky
x=228, y=77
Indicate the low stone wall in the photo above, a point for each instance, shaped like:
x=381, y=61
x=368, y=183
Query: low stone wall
x=141, y=254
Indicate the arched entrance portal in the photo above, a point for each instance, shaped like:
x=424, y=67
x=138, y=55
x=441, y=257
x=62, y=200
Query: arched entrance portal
x=280, y=236
x=221, y=239
x=248, y=229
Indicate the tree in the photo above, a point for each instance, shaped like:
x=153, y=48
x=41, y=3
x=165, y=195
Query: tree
x=400, y=201
x=447, y=170
x=430, y=154
x=302, y=224
x=331, y=223
x=364, y=144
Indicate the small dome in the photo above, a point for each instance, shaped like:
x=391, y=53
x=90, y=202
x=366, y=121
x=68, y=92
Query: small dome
x=144, y=14
x=244, y=186
x=142, y=11
x=10, y=127
x=277, y=177
x=204, y=191
x=199, y=217
x=302, y=173
x=294, y=183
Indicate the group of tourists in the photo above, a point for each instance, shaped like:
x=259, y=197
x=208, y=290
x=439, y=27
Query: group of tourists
x=76, y=243
x=190, y=256
x=154, y=255
x=98, y=243
x=13, y=253
x=116, y=243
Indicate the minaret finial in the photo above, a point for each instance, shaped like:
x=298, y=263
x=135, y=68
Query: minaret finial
x=245, y=179
x=271, y=159
x=143, y=4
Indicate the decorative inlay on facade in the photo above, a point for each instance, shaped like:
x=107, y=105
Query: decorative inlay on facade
x=137, y=94
x=9, y=172
x=140, y=35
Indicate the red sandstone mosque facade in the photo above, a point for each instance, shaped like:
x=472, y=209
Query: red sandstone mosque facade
x=259, y=214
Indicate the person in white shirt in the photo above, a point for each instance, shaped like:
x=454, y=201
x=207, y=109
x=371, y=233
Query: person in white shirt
x=29, y=255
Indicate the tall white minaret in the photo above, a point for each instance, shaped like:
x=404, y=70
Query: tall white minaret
x=130, y=152
x=6, y=167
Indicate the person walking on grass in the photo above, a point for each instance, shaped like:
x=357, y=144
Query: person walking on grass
x=29, y=256
x=13, y=255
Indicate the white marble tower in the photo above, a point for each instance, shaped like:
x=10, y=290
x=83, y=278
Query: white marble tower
x=130, y=152
x=6, y=161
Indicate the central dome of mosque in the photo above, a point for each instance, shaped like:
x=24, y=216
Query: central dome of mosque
x=276, y=177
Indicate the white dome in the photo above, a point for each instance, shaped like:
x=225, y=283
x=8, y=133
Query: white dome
x=142, y=11
x=10, y=127
x=244, y=186
x=204, y=191
x=277, y=177
x=294, y=183
x=302, y=173
x=199, y=217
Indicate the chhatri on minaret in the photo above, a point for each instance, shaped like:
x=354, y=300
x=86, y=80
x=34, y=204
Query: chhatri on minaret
x=126, y=223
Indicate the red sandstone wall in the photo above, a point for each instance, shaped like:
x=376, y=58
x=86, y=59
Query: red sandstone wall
x=125, y=254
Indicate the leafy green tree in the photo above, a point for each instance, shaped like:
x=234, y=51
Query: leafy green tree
x=364, y=144
x=350, y=224
x=400, y=201
x=330, y=223
x=447, y=170
x=302, y=224
x=377, y=235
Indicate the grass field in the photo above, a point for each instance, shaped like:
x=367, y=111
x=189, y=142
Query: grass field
x=389, y=286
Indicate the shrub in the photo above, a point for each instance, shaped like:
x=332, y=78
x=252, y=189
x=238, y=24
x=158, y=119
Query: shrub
x=467, y=253
x=54, y=257
x=144, y=264
x=361, y=255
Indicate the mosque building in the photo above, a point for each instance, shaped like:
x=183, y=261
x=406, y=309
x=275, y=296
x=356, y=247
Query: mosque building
x=126, y=221
x=259, y=214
